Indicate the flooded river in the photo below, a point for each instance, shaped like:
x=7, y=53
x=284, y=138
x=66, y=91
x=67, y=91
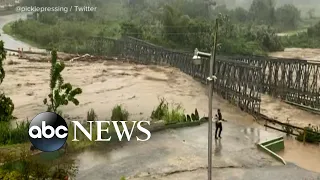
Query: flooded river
x=304, y=155
x=140, y=87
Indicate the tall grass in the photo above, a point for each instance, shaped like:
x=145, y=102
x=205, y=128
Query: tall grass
x=160, y=111
x=174, y=115
x=91, y=115
x=14, y=135
x=170, y=114
x=119, y=114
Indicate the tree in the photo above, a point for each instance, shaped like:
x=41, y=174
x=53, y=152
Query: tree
x=314, y=31
x=263, y=11
x=311, y=13
x=131, y=29
x=288, y=16
x=174, y=22
x=240, y=15
x=6, y=104
x=60, y=93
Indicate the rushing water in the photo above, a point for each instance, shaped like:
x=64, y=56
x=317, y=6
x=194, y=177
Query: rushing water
x=304, y=155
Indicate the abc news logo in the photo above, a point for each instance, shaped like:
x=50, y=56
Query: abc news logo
x=48, y=131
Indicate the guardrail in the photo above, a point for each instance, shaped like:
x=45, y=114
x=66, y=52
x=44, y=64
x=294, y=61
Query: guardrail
x=287, y=128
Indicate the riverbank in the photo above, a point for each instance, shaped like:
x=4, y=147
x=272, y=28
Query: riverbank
x=119, y=82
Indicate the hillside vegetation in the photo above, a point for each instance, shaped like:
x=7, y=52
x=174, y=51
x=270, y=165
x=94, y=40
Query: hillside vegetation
x=178, y=24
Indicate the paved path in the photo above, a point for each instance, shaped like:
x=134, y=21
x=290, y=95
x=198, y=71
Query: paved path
x=182, y=154
x=9, y=41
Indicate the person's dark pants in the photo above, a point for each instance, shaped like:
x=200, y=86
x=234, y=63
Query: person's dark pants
x=218, y=128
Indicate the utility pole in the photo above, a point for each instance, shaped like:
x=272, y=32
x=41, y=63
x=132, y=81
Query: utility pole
x=211, y=78
x=211, y=86
x=215, y=47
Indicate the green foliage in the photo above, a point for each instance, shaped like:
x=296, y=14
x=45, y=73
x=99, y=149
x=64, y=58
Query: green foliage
x=60, y=93
x=194, y=116
x=178, y=24
x=314, y=31
x=172, y=114
x=10, y=175
x=6, y=108
x=14, y=135
x=240, y=15
x=6, y=104
x=312, y=134
x=263, y=11
x=188, y=118
x=24, y=166
x=123, y=178
x=131, y=29
x=2, y=58
x=309, y=39
x=8, y=134
x=288, y=17
x=311, y=13
x=160, y=111
x=91, y=115
x=175, y=114
x=119, y=114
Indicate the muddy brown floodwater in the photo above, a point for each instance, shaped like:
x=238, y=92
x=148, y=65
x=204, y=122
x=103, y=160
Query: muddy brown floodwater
x=305, y=155
x=108, y=83
x=298, y=53
x=138, y=88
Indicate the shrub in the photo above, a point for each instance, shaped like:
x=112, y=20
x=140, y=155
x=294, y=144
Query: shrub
x=312, y=134
x=195, y=116
x=10, y=135
x=91, y=115
x=6, y=104
x=60, y=93
x=27, y=167
x=160, y=111
x=6, y=108
x=7, y=175
x=119, y=114
x=174, y=115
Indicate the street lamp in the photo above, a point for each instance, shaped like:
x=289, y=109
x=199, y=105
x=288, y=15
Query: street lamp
x=196, y=60
x=211, y=78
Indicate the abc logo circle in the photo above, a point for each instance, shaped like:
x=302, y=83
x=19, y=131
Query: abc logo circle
x=48, y=132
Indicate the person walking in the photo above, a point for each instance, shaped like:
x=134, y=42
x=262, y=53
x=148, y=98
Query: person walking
x=218, y=124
